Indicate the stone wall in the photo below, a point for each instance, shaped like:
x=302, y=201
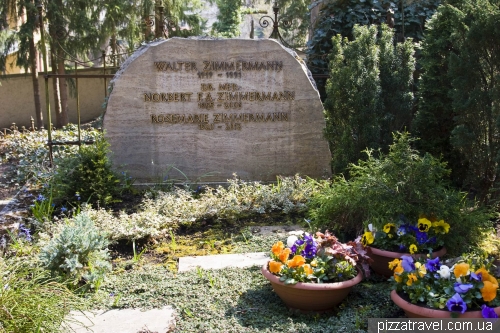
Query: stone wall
x=17, y=102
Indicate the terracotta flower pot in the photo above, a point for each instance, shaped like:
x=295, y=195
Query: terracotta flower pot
x=311, y=297
x=382, y=258
x=416, y=311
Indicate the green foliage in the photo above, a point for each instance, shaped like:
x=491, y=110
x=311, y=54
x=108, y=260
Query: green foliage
x=399, y=182
x=86, y=176
x=42, y=209
x=31, y=301
x=297, y=13
x=340, y=17
x=78, y=253
x=369, y=95
x=459, y=113
x=228, y=18
x=433, y=121
x=182, y=207
x=241, y=301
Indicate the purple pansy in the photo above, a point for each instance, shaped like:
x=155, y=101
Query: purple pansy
x=462, y=288
x=402, y=247
x=476, y=277
x=432, y=265
x=488, y=312
x=456, y=304
x=421, y=237
x=407, y=263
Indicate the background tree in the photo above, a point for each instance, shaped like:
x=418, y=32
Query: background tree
x=228, y=19
x=340, y=16
x=369, y=94
x=433, y=120
x=461, y=94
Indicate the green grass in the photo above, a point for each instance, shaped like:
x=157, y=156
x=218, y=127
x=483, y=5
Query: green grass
x=237, y=300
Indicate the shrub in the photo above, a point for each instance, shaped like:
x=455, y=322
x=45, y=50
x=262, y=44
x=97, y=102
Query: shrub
x=400, y=182
x=31, y=301
x=459, y=94
x=78, y=253
x=86, y=176
x=369, y=93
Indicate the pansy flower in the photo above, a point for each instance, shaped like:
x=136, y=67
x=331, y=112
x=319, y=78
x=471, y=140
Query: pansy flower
x=456, y=304
x=462, y=288
x=461, y=269
x=411, y=278
x=397, y=273
x=307, y=269
x=277, y=248
x=394, y=263
x=296, y=261
x=432, y=265
x=407, y=263
x=275, y=267
x=444, y=272
x=423, y=224
x=284, y=255
x=489, y=291
x=421, y=237
x=421, y=269
x=441, y=227
x=367, y=238
x=413, y=248
x=488, y=312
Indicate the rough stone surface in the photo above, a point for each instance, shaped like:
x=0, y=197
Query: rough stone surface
x=278, y=131
x=123, y=321
x=223, y=260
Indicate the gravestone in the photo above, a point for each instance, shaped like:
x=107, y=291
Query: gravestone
x=211, y=108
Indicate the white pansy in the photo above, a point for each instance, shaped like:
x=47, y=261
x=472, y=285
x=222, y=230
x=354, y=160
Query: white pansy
x=444, y=272
x=291, y=240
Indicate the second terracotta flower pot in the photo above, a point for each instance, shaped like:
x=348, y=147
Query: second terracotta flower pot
x=417, y=311
x=382, y=258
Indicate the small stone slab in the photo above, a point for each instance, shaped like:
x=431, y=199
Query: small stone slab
x=223, y=260
x=123, y=321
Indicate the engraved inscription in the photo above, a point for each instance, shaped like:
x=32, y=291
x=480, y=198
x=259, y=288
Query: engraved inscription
x=213, y=96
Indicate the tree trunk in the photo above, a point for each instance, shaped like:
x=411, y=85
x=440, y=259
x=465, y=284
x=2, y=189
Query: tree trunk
x=36, y=84
x=55, y=86
x=63, y=89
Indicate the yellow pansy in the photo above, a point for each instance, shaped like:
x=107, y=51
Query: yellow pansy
x=411, y=278
x=397, y=271
x=367, y=238
x=461, y=269
x=423, y=224
x=277, y=248
x=413, y=248
x=420, y=269
x=441, y=227
x=389, y=227
x=489, y=291
x=307, y=269
x=275, y=267
x=394, y=263
x=296, y=261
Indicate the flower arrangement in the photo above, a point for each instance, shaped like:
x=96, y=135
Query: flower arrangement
x=405, y=237
x=319, y=260
x=466, y=285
